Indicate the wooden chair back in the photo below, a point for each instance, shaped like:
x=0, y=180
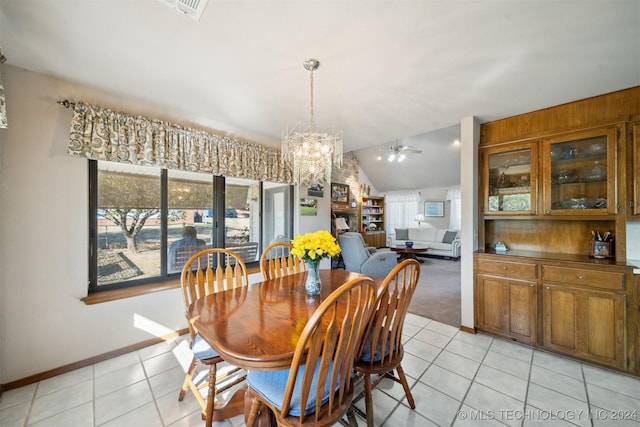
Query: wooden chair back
x=385, y=327
x=211, y=270
x=328, y=344
x=276, y=261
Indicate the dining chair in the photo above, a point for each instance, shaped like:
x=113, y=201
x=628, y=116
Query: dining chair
x=385, y=332
x=208, y=271
x=276, y=261
x=318, y=387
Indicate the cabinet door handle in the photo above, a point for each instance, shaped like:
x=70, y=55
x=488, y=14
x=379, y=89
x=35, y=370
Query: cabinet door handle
x=547, y=213
x=580, y=276
x=505, y=268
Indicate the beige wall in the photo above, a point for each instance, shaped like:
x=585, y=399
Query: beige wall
x=43, y=230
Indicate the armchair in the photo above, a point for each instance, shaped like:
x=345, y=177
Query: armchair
x=358, y=259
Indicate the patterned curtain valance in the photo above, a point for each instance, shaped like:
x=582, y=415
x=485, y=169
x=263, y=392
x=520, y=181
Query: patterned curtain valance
x=3, y=108
x=101, y=134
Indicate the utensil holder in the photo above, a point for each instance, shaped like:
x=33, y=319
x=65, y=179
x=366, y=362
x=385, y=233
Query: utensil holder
x=602, y=249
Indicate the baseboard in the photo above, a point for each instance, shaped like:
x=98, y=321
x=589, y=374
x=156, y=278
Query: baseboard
x=90, y=361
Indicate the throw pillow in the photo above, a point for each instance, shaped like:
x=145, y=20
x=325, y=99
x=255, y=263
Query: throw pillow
x=449, y=236
x=402, y=234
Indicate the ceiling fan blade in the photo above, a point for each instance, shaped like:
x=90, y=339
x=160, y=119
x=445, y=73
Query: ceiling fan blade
x=407, y=149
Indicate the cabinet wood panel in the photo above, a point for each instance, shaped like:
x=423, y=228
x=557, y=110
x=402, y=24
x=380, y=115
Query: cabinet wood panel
x=555, y=236
x=514, y=269
x=376, y=239
x=581, y=276
x=507, y=307
x=594, y=111
x=585, y=323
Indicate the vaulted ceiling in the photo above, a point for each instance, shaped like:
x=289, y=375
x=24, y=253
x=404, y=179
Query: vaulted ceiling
x=389, y=69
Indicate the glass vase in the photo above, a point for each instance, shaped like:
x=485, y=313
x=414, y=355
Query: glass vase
x=313, y=285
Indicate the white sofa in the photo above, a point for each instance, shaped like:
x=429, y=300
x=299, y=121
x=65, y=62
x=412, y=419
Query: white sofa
x=431, y=238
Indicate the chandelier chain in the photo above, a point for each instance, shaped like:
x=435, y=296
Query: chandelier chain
x=311, y=125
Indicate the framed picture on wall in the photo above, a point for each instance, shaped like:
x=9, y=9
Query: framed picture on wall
x=316, y=190
x=339, y=193
x=308, y=207
x=433, y=208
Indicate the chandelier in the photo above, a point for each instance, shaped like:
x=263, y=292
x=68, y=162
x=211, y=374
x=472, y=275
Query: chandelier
x=310, y=153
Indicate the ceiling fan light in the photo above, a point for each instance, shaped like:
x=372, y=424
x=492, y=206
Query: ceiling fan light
x=401, y=157
x=391, y=157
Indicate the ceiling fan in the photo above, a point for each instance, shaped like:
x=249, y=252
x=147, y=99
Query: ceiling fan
x=398, y=153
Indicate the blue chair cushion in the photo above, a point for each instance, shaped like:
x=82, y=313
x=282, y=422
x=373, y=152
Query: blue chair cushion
x=201, y=349
x=377, y=354
x=271, y=385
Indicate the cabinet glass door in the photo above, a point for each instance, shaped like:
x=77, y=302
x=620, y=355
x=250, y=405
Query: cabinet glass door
x=510, y=181
x=580, y=173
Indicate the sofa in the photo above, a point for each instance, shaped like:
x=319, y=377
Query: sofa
x=440, y=241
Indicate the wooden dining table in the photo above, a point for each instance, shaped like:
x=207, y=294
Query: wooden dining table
x=256, y=327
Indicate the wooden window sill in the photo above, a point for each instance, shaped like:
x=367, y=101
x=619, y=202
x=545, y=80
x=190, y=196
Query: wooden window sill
x=116, y=294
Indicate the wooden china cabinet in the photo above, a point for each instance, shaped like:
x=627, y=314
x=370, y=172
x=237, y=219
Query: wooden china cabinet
x=553, y=182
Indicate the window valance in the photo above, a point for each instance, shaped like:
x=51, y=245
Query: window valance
x=101, y=134
x=402, y=197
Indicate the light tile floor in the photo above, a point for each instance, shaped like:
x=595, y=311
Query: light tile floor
x=457, y=379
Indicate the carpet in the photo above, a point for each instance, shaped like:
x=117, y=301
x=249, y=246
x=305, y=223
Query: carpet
x=437, y=295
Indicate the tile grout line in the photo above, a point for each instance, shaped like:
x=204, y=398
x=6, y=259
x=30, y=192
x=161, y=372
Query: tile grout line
x=586, y=392
x=526, y=393
x=473, y=380
x=93, y=390
x=153, y=396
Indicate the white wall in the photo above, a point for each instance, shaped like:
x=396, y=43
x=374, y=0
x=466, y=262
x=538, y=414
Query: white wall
x=44, y=231
x=438, y=194
x=322, y=221
x=633, y=237
x=364, y=180
x=470, y=140
x=3, y=278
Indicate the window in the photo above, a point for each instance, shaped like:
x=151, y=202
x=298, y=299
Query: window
x=145, y=222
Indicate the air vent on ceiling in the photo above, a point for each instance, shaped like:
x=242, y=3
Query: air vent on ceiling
x=191, y=8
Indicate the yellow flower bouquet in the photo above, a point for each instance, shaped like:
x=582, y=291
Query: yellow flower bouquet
x=315, y=246
x=311, y=248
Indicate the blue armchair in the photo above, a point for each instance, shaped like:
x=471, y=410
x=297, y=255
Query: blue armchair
x=359, y=260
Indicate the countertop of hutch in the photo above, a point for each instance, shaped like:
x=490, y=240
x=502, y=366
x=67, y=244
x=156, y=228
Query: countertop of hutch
x=564, y=257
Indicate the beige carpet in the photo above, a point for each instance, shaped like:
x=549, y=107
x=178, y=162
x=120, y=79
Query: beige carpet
x=437, y=295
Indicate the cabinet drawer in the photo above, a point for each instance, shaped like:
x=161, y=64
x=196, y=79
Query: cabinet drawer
x=516, y=270
x=577, y=276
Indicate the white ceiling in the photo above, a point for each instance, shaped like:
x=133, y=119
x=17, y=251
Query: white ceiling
x=389, y=69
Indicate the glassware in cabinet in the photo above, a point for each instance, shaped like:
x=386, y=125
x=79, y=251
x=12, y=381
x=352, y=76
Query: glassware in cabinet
x=579, y=173
x=510, y=179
